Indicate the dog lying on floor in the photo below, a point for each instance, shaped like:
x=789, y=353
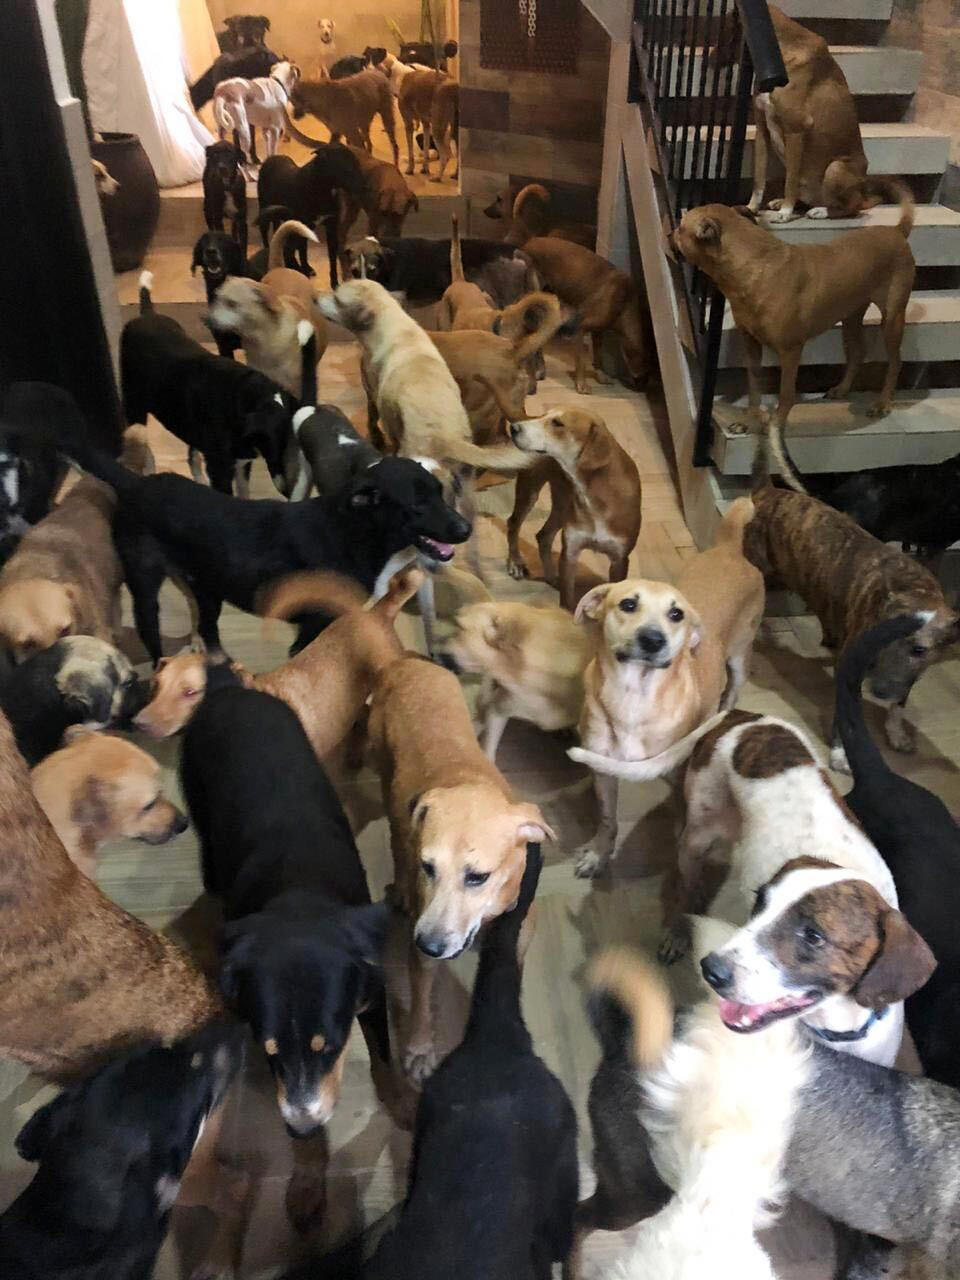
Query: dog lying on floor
x=666, y=658
x=798, y=291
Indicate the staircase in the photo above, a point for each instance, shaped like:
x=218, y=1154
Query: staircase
x=640, y=188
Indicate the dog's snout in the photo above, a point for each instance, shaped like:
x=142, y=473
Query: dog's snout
x=446, y=659
x=179, y=824
x=431, y=945
x=651, y=639
x=717, y=972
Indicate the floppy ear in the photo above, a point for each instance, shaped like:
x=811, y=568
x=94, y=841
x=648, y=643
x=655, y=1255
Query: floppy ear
x=597, y=448
x=236, y=943
x=695, y=627
x=592, y=603
x=197, y=256
x=367, y=927
x=34, y=1138
x=493, y=631
x=902, y=966
x=533, y=830
x=708, y=232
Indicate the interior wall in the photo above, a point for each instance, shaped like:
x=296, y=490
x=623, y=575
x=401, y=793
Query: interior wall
x=293, y=24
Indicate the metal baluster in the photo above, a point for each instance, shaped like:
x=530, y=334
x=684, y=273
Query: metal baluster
x=688, y=112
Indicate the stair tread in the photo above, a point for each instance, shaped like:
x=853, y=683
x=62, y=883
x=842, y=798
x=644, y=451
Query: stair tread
x=870, y=70
x=926, y=306
x=883, y=215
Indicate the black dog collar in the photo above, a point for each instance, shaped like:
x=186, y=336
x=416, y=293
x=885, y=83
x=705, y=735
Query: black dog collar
x=286, y=96
x=848, y=1037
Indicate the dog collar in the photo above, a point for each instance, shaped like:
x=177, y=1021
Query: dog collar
x=286, y=96
x=849, y=1037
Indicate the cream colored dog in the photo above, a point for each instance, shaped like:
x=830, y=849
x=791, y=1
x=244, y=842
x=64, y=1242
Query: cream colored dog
x=668, y=658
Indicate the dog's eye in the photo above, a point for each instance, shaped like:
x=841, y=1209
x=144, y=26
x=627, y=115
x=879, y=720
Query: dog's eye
x=629, y=605
x=675, y=614
x=190, y=693
x=147, y=807
x=64, y=631
x=473, y=879
x=812, y=936
x=918, y=650
x=429, y=870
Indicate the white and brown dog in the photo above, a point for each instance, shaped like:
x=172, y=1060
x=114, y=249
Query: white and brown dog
x=328, y=44
x=241, y=105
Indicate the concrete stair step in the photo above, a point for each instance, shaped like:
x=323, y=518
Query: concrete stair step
x=836, y=435
x=935, y=239
x=932, y=333
x=869, y=71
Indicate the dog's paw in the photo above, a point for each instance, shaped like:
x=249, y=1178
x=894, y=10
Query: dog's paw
x=818, y=211
x=775, y=204
x=782, y=215
x=409, y=169
x=588, y=863
x=675, y=942
x=901, y=735
x=838, y=760
x=419, y=1061
x=517, y=568
x=582, y=388
x=603, y=378
x=879, y=409
x=839, y=392
x=306, y=1200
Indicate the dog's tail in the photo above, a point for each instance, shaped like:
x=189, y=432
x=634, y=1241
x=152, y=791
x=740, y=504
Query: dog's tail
x=863, y=755
x=280, y=237
x=272, y=217
x=496, y=457
x=316, y=591
x=534, y=193
x=630, y=1007
x=760, y=471
x=536, y=318
x=221, y=115
x=146, y=287
x=886, y=190
x=733, y=525
x=653, y=766
x=781, y=455
x=456, y=260
x=312, y=143
x=495, y=1016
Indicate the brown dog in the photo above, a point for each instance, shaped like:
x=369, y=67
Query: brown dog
x=783, y=294
x=604, y=298
x=458, y=835
x=429, y=100
x=102, y=788
x=532, y=216
x=64, y=578
x=812, y=125
x=386, y=200
x=348, y=106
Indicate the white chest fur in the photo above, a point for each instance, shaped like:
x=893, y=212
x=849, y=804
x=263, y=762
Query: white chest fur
x=763, y=103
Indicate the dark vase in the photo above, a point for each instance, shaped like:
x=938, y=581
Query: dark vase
x=131, y=214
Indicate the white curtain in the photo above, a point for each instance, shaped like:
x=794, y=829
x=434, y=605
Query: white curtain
x=137, y=58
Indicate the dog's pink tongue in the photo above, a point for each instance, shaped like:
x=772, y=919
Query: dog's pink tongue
x=443, y=549
x=731, y=1012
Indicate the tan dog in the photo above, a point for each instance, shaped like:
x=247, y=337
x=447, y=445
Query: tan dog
x=667, y=658
x=64, y=577
x=458, y=835
x=605, y=299
x=347, y=106
x=386, y=200
x=532, y=661
x=428, y=100
x=274, y=317
x=532, y=216
x=812, y=125
x=783, y=294
x=102, y=788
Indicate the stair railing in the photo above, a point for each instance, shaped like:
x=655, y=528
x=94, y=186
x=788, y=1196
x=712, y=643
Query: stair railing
x=694, y=69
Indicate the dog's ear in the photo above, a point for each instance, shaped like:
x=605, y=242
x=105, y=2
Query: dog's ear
x=694, y=627
x=493, y=631
x=367, y=929
x=236, y=943
x=597, y=448
x=591, y=604
x=902, y=966
x=708, y=231
x=45, y=1123
x=532, y=828
x=417, y=810
x=197, y=256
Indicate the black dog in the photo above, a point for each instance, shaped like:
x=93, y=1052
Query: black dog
x=243, y=31
x=248, y=62
x=420, y=268
x=424, y=53
x=228, y=548
x=30, y=469
x=920, y=842
x=225, y=192
x=302, y=945
x=78, y=680
x=218, y=407
x=218, y=255
x=111, y=1152
x=350, y=65
x=310, y=193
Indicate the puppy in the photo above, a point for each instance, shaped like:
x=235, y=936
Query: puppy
x=667, y=657
x=102, y=788
x=493, y=1107
x=595, y=495
x=77, y=681
x=532, y=661
x=111, y=1152
x=851, y=581
x=240, y=106
x=64, y=578
x=225, y=192
x=418, y=269
x=217, y=406
x=302, y=944
x=532, y=217
x=798, y=291
x=605, y=300
x=458, y=835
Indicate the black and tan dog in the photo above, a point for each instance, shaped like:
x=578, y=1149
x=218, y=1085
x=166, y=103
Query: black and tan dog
x=225, y=192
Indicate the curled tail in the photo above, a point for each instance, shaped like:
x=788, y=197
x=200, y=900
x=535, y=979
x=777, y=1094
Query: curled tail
x=315, y=591
x=886, y=190
x=739, y=514
x=630, y=1007
x=532, y=194
x=221, y=116
x=146, y=286
x=863, y=755
x=532, y=322
x=781, y=456
x=281, y=235
x=456, y=261
x=652, y=766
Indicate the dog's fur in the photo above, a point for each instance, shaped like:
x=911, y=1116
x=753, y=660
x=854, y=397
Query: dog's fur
x=328, y=42
x=781, y=294
x=397, y=71
x=386, y=200
x=248, y=62
x=604, y=298
x=106, y=184
x=919, y=840
x=430, y=100
x=458, y=835
x=667, y=657
x=225, y=192
x=348, y=106
x=31, y=470
x=64, y=578
x=532, y=662
x=240, y=106
x=101, y=788
x=493, y=383
x=531, y=216
x=419, y=269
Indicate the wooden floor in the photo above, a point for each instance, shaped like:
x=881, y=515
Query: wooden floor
x=791, y=677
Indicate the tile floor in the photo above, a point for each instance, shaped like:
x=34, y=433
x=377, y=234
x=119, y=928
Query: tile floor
x=369, y=1154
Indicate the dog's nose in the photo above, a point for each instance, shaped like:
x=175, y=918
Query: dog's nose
x=717, y=972
x=651, y=639
x=449, y=661
x=179, y=824
x=462, y=529
x=431, y=946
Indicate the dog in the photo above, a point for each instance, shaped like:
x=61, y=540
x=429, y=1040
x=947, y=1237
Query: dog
x=225, y=192
x=243, y=31
x=811, y=123
x=458, y=835
x=430, y=100
x=240, y=106
x=918, y=839
x=64, y=578
x=111, y=1152
x=348, y=66
x=79, y=680
x=249, y=62
x=347, y=107
x=302, y=945
x=386, y=200
x=215, y=405
x=495, y=1108
x=667, y=658
x=101, y=788
x=310, y=192
x=798, y=291
x=218, y=256
x=605, y=300
x=328, y=42
x=281, y=332
x=397, y=71
x=850, y=581
x=418, y=269
x=31, y=470
x=493, y=383
x=531, y=217
x=106, y=185
x=532, y=662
